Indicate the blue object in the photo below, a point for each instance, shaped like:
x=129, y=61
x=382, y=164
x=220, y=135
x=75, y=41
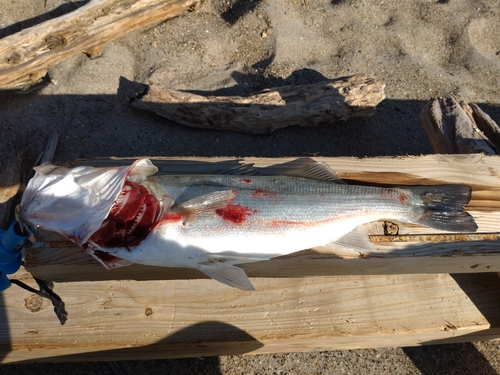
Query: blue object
x=11, y=244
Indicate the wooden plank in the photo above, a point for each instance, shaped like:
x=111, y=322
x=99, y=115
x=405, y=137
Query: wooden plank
x=117, y=320
x=314, y=301
x=54, y=260
x=26, y=55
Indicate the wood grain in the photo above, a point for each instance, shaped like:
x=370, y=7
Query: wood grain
x=117, y=320
x=454, y=127
x=26, y=55
x=54, y=258
x=317, y=300
x=326, y=102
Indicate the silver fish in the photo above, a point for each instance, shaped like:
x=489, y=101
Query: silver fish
x=212, y=222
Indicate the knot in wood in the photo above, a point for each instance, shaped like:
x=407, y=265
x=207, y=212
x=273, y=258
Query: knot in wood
x=14, y=58
x=390, y=228
x=33, y=303
x=55, y=42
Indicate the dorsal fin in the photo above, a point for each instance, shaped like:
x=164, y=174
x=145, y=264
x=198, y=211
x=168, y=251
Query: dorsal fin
x=240, y=170
x=316, y=171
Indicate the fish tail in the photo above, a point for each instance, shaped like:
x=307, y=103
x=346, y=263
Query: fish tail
x=442, y=207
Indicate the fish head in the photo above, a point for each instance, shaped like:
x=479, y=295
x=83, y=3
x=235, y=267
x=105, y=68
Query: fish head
x=75, y=202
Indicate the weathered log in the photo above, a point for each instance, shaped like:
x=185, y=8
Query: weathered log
x=325, y=102
x=484, y=122
x=26, y=55
x=452, y=128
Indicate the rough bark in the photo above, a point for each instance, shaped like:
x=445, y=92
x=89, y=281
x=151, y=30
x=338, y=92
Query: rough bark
x=325, y=102
x=26, y=55
x=454, y=127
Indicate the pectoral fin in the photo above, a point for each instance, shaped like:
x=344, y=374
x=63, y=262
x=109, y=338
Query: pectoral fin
x=206, y=202
x=229, y=275
x=108, y=260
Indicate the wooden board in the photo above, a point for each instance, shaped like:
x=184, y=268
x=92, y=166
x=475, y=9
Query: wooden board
x=56, y=259
x=317, y=301
x=120, y=320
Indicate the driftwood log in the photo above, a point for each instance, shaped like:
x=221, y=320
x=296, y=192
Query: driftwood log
x=455, y=127
x=325, y=102
x=26, y=55
x=483, y=122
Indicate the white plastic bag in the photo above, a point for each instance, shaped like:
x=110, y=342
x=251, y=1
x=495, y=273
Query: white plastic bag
x=74, y=202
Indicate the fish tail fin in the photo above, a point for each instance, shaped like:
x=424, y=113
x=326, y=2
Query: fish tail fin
x=229, y=275
x=443, y=207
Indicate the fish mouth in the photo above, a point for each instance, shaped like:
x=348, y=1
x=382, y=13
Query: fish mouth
x=131, y=218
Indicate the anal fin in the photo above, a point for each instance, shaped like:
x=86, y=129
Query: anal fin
x=229, y=275
x=357, y=240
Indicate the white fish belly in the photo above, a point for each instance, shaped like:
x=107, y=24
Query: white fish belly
x=262, y=221
x=258, y=237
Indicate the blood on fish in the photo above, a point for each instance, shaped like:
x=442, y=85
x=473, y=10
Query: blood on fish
x=169, y=217
x=106, y=258
x=247, y=180
x=235, y=213
x=403, y=197
x=260, y=193
x=389, y=193
x=132, y=217
x=129, y=202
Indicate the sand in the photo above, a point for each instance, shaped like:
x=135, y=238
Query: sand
x=420, y=48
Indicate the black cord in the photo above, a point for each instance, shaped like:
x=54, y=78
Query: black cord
x=46, y=292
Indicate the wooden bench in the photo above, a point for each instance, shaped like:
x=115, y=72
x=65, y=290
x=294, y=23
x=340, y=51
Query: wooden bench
x=439, y=289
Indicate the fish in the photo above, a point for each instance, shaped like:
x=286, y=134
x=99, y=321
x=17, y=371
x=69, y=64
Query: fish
x=212, y=222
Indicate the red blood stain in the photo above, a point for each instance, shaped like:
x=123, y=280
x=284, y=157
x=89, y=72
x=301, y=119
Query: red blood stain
x=170, y=217
x=235, y=213
x=260, y=193
x=106, y=258
x=129, y=202
x=403, y=197
x=246, y=180
x=388, y=193
x=132, y=217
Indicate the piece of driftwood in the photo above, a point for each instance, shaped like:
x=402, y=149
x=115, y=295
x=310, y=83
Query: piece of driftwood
x=325, y=102
x=26, y=55
x=483, y=122
x=414, y=250
x=455, y=128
